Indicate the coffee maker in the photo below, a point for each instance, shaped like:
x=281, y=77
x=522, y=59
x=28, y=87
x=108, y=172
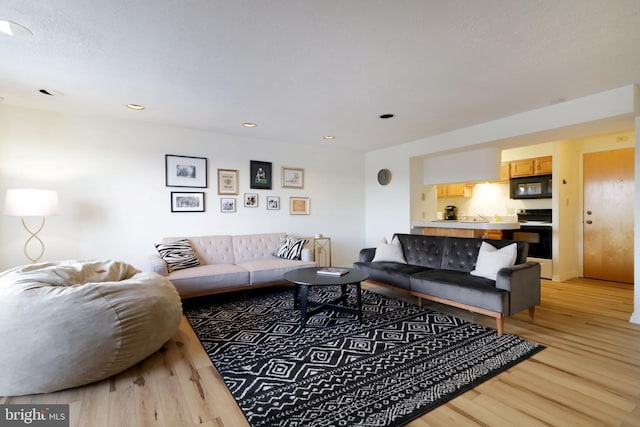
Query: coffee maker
x=450, y=212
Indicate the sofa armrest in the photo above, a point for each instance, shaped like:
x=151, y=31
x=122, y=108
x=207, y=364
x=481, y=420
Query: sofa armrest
x=158, y=265
x=523, y=283
x=367, y=254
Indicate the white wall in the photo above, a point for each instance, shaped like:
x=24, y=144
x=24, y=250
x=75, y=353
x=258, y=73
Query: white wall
x=388, y=209
x=468, y=166
x=566, y=189
x=110, y=176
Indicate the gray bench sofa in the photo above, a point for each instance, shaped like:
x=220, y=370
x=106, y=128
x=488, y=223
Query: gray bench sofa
x=439, y=269
x=230, y=263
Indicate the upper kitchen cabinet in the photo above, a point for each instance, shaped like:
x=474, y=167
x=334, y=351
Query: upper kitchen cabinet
x=455, y=190
x=531, y=167
x=505, y=172
x=543, y=165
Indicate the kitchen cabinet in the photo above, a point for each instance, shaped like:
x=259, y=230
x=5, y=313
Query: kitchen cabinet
x=543, y=165
x=452, y=232
x=505, y=172
x=455, y=190
x=462, y=232
x=531, y=167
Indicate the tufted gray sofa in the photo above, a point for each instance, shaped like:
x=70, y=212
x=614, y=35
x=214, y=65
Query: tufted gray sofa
x=438, y=269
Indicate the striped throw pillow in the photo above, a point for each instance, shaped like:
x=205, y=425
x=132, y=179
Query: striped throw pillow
x=178, y=255
x=290, y=248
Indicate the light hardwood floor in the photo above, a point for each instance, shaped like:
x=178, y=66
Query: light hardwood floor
x=589, y=374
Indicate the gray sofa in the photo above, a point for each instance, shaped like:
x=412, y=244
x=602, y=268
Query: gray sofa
x=439, y=269
x=229, y=263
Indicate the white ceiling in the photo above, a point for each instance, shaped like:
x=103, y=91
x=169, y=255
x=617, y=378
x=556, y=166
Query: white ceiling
x=302, y=69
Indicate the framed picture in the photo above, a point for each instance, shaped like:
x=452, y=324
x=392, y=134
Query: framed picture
x=185, y=171
x=273, y=203
x=260, y=174
x=227, y=181
x=187, y=202
x=299, y=205
x=292, y=177
x=250, y=200
x=227, y=204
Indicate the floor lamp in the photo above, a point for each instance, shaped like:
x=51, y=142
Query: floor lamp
x=24, y=203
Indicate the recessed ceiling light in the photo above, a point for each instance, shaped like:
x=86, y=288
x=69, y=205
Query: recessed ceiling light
x=386, y=116
x=136, y=106
x=249, y=125
x=50, y=92
x=329, y=137
x=11, y=28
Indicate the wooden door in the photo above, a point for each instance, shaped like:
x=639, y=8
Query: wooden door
x=608, y=215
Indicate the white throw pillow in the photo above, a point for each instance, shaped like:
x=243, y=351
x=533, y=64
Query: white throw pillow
x=491, y=259
x=391, y=252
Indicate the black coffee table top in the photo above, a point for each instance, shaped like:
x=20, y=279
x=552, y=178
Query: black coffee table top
x=309, y=276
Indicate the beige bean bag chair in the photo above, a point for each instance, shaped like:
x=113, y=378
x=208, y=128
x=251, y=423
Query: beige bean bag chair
x=70, y=323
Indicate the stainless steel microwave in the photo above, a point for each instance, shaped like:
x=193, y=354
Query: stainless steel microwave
x=531, y=187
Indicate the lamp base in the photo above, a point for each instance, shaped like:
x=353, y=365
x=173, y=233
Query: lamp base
x=34, y=235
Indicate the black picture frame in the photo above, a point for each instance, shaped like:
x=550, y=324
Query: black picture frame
x=185, y=171
x=187, y=201
x=260, y=175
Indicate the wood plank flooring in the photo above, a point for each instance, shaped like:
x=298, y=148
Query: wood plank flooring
x=589, y=374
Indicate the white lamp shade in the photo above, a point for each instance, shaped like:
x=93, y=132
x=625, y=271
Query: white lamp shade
x=30, y=202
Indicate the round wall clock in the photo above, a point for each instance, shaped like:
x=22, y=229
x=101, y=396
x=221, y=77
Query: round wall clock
x=384, y=176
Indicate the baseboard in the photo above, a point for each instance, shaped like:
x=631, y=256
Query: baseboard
x=635, y=317
x=564, y=276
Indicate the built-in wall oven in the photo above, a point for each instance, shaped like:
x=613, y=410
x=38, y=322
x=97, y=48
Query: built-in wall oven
x=536, y=229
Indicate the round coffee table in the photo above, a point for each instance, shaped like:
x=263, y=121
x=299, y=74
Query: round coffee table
x=304, y=277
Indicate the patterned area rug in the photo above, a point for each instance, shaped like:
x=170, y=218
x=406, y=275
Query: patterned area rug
x=401, y=362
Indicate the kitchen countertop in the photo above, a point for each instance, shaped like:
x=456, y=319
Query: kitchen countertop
x=473, y=225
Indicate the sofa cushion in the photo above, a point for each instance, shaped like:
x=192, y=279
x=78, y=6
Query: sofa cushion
x=271, y=269
x=290, y=248
x=391, y=273
x=460, y=254
x=463, y=288
x=425, y=251
x=249, y=247
x=207, y=278
x=178, y=255
x=210, y=249
x=492, y=259
x=389, y=252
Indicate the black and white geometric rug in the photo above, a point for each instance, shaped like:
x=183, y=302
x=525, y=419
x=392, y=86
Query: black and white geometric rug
x=402, y=362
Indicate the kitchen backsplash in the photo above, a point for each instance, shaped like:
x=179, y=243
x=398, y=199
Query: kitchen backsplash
x=489, y=200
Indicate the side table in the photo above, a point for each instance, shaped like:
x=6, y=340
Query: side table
x=322, y=251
